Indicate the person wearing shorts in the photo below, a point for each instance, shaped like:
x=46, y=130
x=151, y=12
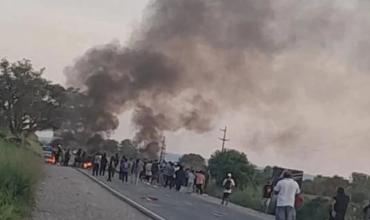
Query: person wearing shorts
x=228, y=185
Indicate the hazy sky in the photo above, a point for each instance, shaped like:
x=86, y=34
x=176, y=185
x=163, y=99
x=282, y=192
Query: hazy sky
x=54, y=33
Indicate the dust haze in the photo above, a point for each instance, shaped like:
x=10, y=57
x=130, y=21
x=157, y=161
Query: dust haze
x=295, y=71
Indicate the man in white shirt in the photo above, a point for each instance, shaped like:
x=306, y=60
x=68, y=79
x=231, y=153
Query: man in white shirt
x=228, y=185
x=286, y=190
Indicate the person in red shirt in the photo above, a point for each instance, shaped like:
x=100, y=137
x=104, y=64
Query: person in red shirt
x=200, y=180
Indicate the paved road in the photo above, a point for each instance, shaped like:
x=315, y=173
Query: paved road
x=66, y=194
x=180, y=206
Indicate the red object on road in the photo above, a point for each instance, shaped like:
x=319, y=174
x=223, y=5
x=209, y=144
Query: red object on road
x=87, y=165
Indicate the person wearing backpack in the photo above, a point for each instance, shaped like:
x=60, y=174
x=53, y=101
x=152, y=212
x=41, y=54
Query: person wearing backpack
x=228, y=185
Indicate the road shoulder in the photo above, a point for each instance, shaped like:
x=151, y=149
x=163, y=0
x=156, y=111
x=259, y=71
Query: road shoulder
x=66, y=194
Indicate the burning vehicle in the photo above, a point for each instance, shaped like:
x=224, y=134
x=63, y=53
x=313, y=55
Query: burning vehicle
x=49, y=155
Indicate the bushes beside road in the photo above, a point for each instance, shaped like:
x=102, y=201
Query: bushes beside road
x=20, y=168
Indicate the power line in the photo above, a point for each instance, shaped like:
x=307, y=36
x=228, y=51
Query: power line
x=224, y=139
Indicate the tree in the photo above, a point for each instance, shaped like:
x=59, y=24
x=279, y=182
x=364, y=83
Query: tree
x=194, y=161
x=128, y=149
x=231, y=161
x=109, y=145
x=28, y=102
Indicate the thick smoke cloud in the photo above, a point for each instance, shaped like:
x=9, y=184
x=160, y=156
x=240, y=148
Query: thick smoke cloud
x=298, y=70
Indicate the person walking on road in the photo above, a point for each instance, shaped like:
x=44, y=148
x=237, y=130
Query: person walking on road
x=155, y=172
x=286, y=190
x=339, y=208
x=169, y=174
x=200, y=180
x=103, y=164
x=67, y=156
x=77, y=162
x=124, y=169
x=116, y=162
x=228, y=185
x=96, y=162
x=111, y=168
x=180, y=178
x=137, y=169
x=191, y=179
x=267, y=193
x=148, y=172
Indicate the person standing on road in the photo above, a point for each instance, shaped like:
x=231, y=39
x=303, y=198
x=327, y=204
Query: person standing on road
x=148, y=172
x=286, y=190
x=67, y=156
x=191, y=179
x=267, y=193
x=200, y=180
x=155, y=172
x=77, y=161
x=103, y=164
x=166, y=174
x=111, y=168
x=170, y=172
x=116, y=162
x=96, y=162
x=180, y=178
x=228, y=185
x=125, y=168
x=139, y=167
x=58, y=154
x=339, y=209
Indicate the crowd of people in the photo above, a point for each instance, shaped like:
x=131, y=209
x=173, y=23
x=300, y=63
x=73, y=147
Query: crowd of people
x=286, y=191
x=152, y=172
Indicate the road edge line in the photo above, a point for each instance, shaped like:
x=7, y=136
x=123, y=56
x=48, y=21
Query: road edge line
x=124, y=198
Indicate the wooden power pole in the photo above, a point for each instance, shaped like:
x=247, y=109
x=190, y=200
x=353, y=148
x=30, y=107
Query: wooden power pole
x=163, y=150
x=224, y=139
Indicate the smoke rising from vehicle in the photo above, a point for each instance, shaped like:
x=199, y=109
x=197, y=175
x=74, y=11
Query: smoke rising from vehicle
x=296, y=71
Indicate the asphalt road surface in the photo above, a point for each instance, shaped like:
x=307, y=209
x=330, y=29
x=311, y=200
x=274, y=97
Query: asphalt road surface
x=66, y=194
x=174, y=205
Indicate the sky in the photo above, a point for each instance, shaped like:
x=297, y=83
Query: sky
x=52, y=34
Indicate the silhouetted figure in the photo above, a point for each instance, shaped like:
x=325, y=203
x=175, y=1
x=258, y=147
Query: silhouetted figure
x=339, y=208
x=67, y=156
x=116, y=162
x=111, y=168
x=103, y=164
x=180, y=178
x=78, y=158
x=155, y=172
x=124, y=169
x=96, y=162
x=169, y=175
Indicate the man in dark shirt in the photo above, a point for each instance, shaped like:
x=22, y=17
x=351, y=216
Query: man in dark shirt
x=339, y=209
x=267, y=192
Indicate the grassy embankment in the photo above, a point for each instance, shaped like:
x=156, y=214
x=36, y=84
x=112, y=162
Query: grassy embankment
x=20, y=169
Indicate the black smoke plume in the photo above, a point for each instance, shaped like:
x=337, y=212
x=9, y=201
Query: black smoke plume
x=284, y=64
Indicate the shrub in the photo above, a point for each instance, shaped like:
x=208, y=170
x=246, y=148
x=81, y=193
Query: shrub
x=19, y=171
x=317, y=209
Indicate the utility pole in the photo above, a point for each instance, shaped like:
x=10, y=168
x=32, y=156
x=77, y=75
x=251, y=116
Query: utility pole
x=163, y=150
x=224, y=139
